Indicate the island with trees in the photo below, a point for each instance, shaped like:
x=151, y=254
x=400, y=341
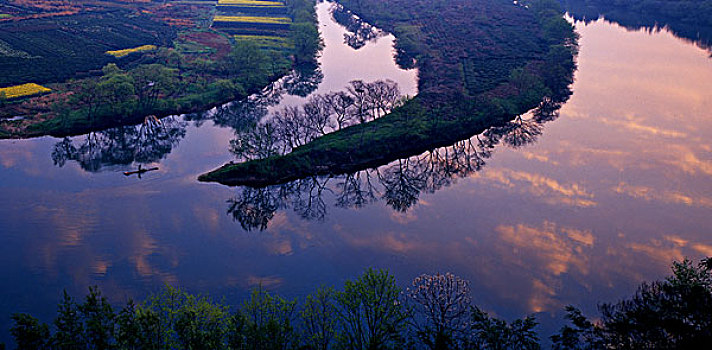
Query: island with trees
x=481, y=64
x=68, y=68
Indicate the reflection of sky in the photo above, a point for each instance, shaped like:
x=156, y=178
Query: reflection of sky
x=614, y=190
x=341, y=63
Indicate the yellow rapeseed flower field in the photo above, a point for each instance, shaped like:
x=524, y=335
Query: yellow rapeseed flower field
x=250, y=3
x=126, y=52
x=253, y=19
x=28, y=89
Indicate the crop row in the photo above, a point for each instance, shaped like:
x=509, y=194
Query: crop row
x=249, y=3
x=252, y=19
x=266, y=41
x=126, y=52
x=252, y=10
x=23, y=90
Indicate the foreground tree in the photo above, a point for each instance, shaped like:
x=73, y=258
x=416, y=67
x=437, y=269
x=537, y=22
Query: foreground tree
x=28, y=332
x=441, y=304
x=675, y=313
x=371, y=314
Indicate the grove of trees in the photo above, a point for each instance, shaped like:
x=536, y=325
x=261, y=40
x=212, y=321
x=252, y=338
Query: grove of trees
x=372, y=312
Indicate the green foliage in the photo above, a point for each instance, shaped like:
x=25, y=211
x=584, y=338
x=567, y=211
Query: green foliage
x=675, y=313
x=319, y=317
x=371, y=314
x=98, y=319
x=247, y=64
x=181, y=320
x=491, y=333
x=69, y=329
x=307, y=42
x=368, y=313
x=150, y=81
x=138, y=328
x=29, y=333
x=264, y=322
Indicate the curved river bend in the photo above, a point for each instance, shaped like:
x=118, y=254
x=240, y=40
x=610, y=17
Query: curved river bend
x=613, y=190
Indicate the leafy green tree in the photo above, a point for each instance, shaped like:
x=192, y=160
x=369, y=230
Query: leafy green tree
x=98, y=317
x=138, y=328
x=151, y=81
x=675, y=313
x=488, y=332
x=111, y=69
x=371, y=314
x=246, y=64
x=3, y=98
x=264, y=322
x=69, y=330
x=88, y=96
x=29, y=333
x=201, y=324
x=307, y=42
x=115, y=89
x=319, y=319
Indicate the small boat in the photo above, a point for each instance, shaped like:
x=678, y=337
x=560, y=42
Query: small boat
x=139, y=171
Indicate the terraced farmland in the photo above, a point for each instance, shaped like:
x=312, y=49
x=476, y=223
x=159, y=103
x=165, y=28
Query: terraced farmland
x=264, y=22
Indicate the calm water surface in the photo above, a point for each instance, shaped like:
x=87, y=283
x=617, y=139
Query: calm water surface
x=613, y=190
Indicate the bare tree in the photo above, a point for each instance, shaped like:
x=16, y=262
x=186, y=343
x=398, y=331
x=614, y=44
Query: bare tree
x=291, y=128
x=342, y=108
x=317, y=115
x=382, y=96
x=444, y=303
x=358, y=91
x=259, y=143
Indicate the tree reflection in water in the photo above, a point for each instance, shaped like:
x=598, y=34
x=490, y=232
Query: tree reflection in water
x=144, y=143
x=154, y=139
x=244, y=115
x=686, y=25
x=359, y=33
x=399, y=184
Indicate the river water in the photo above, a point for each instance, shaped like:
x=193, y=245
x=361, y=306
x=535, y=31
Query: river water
x=612, y=191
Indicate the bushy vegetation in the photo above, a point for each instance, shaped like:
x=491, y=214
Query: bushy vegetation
x=371, y=312
x=675, y=313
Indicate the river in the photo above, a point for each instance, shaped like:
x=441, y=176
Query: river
x=606, y=197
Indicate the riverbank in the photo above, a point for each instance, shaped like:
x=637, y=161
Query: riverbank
x=465, y=87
